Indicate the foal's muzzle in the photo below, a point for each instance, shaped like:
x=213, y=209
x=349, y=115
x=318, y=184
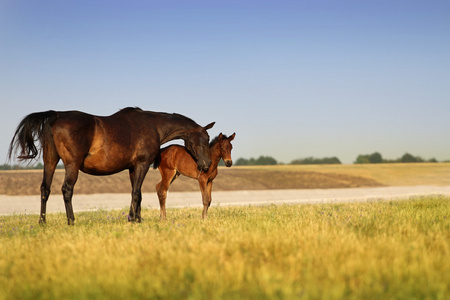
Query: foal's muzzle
x=228, y=163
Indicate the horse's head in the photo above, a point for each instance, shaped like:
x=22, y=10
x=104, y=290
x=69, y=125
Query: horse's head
x=225, y=149
x=196, y=142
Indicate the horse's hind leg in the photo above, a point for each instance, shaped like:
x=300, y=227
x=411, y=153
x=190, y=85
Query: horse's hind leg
x=67, y=190
x=51, y=160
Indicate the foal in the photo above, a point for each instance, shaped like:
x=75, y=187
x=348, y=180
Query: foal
x=175, y=160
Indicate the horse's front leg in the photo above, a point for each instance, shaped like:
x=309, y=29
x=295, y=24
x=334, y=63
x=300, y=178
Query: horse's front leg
x=137, y=176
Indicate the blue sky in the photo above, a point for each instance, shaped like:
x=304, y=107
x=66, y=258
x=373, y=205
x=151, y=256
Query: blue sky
x=293, y=79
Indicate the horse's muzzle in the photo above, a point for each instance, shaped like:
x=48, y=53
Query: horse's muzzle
x=204, y=166
x=228, y=163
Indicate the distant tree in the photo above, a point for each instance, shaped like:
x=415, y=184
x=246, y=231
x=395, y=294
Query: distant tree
x=265, y=160
x=242, y=162
x=38, y=166
x=316, y=161
x=5, y=167
x=408, y=158
x=363, y=159
x=262, y=160
x=391, y=161
x=375, y=158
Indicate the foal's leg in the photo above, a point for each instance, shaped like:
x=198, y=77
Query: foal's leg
x=162, y=187
x=205, y=188
x=49, y=169
x=209, y=190
x=67, y=190
x=137, y=176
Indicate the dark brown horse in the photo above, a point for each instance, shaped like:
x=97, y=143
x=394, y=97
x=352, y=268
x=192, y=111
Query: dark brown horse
x=129, y=139
x=175, y=160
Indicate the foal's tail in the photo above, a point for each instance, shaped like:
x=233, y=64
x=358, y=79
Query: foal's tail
x=157, y=161
x=34, y=127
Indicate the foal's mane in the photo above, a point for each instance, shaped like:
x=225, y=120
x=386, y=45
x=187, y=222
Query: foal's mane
x=216, y=140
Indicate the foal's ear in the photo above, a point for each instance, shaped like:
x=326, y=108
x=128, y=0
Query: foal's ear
x=232, y=137
x=209, y=126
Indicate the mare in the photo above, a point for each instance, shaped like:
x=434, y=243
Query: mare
x=129, y=139
x=175, y=160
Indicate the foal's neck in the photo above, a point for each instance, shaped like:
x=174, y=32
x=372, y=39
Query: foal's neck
x=215, y=155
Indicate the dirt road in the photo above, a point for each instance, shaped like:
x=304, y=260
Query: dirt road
x=31, y=204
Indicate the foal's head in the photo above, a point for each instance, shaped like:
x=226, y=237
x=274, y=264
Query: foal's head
x=225, y=148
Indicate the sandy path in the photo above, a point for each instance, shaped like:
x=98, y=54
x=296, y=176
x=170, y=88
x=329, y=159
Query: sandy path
x=31, y=204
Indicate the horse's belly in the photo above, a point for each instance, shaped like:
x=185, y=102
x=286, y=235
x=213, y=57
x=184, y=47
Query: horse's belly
x=101, y=164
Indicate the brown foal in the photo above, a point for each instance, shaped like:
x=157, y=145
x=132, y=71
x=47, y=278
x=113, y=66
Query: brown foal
x=175, y=160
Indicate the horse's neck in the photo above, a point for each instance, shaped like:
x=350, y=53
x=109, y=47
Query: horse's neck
x=175, y=128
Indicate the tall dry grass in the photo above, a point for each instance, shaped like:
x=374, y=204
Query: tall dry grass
x=372, y=250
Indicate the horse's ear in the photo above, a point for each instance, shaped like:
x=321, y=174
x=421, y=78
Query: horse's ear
x=232, y=137
x=209, y=126
x=220, y=137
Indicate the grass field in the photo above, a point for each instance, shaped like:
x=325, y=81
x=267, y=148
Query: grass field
x=372, y=250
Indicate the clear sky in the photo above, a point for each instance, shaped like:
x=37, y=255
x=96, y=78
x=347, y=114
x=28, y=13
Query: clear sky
x=293, y=79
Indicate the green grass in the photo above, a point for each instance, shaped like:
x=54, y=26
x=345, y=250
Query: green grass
x=372, y=250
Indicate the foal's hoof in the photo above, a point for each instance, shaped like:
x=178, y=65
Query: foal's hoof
x=70, y=222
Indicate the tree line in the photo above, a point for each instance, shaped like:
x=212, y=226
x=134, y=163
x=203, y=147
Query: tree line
x=374, y=158
x=377, y=158
x=38, y=166
x=268, y=160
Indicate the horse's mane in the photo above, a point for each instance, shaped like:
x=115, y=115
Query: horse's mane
x=174, y=115
x=131, y=108
x=184, y=117
x=216, y=139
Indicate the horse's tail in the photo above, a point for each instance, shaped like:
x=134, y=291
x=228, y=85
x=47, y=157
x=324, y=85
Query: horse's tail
x=157, y=161
x=34, y=127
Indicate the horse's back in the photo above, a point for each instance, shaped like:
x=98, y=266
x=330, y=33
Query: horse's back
x=73, y=127
x=103, y=145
